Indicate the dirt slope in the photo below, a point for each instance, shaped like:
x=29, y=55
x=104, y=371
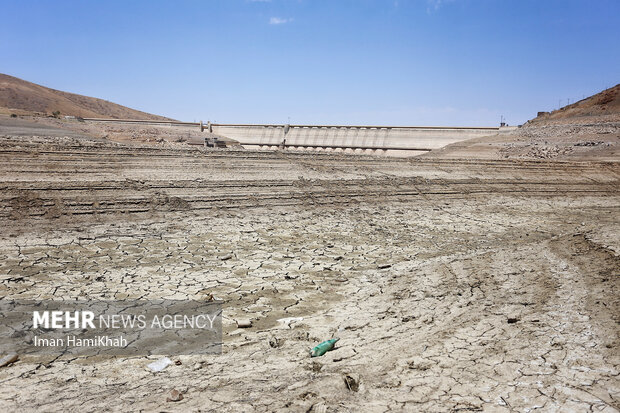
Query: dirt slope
x=586, y=130
x=22, y=97
x=604, y=104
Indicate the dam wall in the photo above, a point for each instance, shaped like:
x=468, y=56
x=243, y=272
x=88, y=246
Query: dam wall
x=388, y=140
x=380, y=140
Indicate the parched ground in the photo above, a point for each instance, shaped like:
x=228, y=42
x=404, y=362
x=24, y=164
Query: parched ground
x=453, y=285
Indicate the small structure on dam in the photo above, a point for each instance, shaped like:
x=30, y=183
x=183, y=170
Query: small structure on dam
x=388, y=140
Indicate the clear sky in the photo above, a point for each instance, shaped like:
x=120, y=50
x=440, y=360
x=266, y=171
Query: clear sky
x=380, y=62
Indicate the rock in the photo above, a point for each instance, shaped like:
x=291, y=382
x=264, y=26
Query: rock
x=273, y=342
x=244, y=323
x=175, y=396
x=197, y=366
x=351, y=382
x=383, y=266
x=8, y=359
x=226, y=257
x=286, y=322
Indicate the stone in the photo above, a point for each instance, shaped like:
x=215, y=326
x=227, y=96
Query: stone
x=175, y=396
x=8, y=359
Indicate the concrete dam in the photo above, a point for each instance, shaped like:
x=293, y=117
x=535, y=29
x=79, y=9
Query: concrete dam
x=387, y=140
x=379, y=140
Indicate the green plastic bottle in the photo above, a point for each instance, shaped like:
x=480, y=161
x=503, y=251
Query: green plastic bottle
x=323, y=348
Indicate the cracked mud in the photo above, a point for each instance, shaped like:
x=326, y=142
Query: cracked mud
x=452, y=285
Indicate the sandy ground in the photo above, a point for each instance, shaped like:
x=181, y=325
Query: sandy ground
x=453, y=285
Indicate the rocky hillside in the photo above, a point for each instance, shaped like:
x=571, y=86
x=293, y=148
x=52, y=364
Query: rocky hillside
x=586, y=130
x=22, y=97
x=602, y=106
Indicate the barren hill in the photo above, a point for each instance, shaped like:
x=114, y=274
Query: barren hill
x=586, y=130
x=604, y=104
x=17, y=95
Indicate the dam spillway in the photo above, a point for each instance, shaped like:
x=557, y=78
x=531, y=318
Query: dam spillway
x=388, y=140
x=398, y=141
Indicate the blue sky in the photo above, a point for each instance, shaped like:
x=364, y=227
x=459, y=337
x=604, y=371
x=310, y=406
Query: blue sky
x=390, y=62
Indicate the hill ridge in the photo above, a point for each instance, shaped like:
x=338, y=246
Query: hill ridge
x=21, y=95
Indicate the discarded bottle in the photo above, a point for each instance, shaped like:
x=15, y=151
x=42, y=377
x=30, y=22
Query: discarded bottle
x=323, y=348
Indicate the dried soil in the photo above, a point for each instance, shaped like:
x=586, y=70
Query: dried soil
x=453, y=285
